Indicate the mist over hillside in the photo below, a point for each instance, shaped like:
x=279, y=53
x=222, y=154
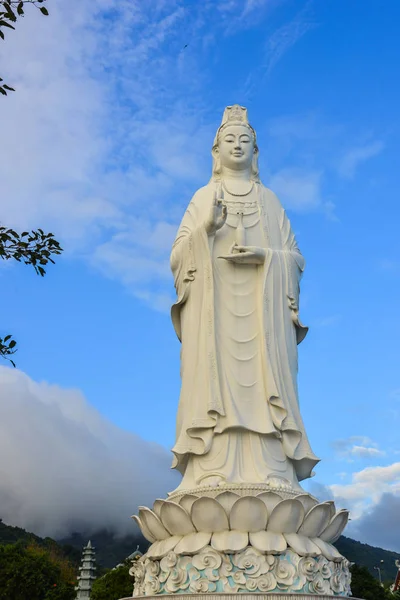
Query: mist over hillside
x=75, y=470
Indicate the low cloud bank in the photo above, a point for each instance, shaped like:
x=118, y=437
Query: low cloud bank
x=65, y=468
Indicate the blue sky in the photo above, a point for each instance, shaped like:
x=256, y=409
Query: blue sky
x=107, y=138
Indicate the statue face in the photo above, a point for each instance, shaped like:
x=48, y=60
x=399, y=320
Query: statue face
x=236, y=147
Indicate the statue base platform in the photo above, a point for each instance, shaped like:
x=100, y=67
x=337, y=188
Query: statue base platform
x=248, y=596
x=250, y=572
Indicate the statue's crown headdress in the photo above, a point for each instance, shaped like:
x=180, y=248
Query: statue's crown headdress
x=235, y=115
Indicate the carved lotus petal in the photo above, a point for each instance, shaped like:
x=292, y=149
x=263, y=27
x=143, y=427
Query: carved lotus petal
x=229, y=541
x=286, y=517
x=208, y=515
x=316, y=520
x=270, y=500
x=161, y=548
x=227, y=500
x=144, y=529
x=152, y=523
x=157, y=506
x=193, y=543
x=307, y=501
x=332, y=507
x=335, y=527
x=248, y=514
x=302, y=545
x=268, y=542
x=176, y=519
x=187, y=501
x=328, y=550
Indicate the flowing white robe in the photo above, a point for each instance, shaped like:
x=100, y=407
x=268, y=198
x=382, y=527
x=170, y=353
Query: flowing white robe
x=238, y=415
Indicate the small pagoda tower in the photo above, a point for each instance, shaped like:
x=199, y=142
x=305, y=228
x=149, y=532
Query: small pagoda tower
x=87, y=573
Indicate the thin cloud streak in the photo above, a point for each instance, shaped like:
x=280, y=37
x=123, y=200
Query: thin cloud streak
x=284, y=38
x=356, y=156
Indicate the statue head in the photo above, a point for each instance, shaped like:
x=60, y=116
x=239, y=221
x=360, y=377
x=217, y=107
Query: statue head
x=235, y=144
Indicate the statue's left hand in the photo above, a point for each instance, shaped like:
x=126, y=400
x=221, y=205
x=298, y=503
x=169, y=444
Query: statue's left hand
x=247, y=255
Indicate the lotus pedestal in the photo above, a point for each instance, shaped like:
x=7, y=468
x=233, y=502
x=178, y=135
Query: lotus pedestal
x=275, y=542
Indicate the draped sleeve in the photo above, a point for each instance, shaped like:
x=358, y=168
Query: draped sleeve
x=183, y=263
x=295, y=264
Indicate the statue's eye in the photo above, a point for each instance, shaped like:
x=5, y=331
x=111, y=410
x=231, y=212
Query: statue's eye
x=230, y=139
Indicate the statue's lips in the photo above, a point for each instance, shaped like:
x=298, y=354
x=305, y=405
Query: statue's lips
x=238, y=154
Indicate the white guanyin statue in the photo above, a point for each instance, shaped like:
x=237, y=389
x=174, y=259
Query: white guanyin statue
x=237, y=270
x=239, y=522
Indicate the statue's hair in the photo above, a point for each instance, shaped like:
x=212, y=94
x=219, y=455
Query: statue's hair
x=216, y=165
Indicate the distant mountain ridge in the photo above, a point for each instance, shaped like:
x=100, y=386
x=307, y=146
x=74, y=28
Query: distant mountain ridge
x=370, y=557
x=11, y=535
x=111, y=550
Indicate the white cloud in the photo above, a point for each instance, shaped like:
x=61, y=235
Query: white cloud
x=367, y=487
x=92, y=152
x=365, y=452
x=354, y=157
x=297, y=189
x=373, y=497
x=389, y=265
x=327, y=321
x=395, y=394
x=303, y=127
x=376, y=475
x=63, y=466
x=357, y=446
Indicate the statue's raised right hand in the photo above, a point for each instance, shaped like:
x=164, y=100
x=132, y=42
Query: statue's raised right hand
x=217, y=217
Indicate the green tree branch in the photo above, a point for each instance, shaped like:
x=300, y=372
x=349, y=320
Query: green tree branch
x=35, y=248
x=10, y=12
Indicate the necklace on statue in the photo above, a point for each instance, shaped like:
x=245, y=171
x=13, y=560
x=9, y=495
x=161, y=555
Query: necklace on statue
x=238, y=195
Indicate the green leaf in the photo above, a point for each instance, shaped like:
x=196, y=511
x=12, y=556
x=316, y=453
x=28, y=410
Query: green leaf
x=4, y=23
x=3, y=91
x=12, y=344
x=7, y=338
x=10, y=13
x=7, y=87
x=2, y=37
x=44, y=11
x=20, y=9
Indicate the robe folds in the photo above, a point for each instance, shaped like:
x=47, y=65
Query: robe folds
x=207, y=411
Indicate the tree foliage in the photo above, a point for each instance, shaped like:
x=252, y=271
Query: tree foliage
x=10, y=12
x=35, y=248
x=34, y=573
x=115, y=584
x=365, y=586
